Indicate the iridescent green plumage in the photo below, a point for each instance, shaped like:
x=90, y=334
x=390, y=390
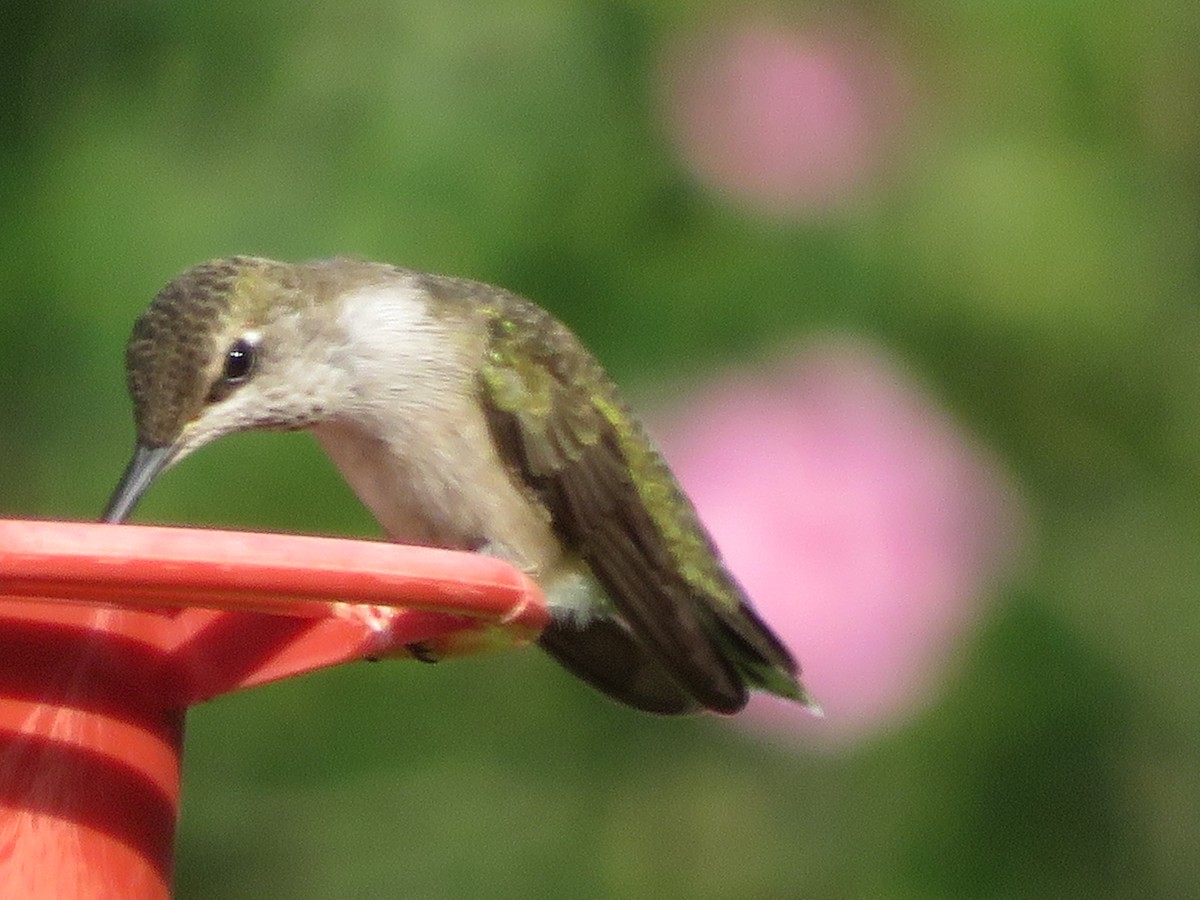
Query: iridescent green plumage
x=560, y=423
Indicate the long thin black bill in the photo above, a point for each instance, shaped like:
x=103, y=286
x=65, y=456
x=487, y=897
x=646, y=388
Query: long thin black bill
x=147, y=462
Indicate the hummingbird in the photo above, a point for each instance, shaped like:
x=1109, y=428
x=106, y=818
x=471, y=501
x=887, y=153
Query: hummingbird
x=465, y=417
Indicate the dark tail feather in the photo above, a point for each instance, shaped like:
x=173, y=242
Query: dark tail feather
x=603, y=653
x=760, y=657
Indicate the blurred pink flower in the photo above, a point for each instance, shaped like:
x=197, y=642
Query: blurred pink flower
x=865, y=526
x=790, y=121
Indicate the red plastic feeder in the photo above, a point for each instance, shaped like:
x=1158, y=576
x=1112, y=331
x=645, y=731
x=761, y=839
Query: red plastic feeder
x=108, y=633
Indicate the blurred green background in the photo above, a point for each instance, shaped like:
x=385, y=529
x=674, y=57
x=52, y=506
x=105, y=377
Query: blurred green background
x=1030, y=247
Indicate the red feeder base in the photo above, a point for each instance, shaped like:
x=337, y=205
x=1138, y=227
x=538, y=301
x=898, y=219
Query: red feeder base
x=109, y=632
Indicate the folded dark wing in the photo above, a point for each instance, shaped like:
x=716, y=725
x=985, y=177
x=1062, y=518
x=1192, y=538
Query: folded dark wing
x=563, y=430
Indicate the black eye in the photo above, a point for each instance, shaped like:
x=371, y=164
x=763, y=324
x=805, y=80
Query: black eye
x=239, y=365
x=239, y=361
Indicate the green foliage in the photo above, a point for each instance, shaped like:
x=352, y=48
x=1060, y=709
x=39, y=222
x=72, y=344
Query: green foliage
x=1034, y=257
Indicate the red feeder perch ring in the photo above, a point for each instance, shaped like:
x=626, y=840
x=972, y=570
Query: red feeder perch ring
x=109, y=632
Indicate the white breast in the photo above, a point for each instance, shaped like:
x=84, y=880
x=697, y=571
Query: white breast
x=414, y=444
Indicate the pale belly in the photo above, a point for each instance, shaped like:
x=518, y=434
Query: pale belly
x=461, y=500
